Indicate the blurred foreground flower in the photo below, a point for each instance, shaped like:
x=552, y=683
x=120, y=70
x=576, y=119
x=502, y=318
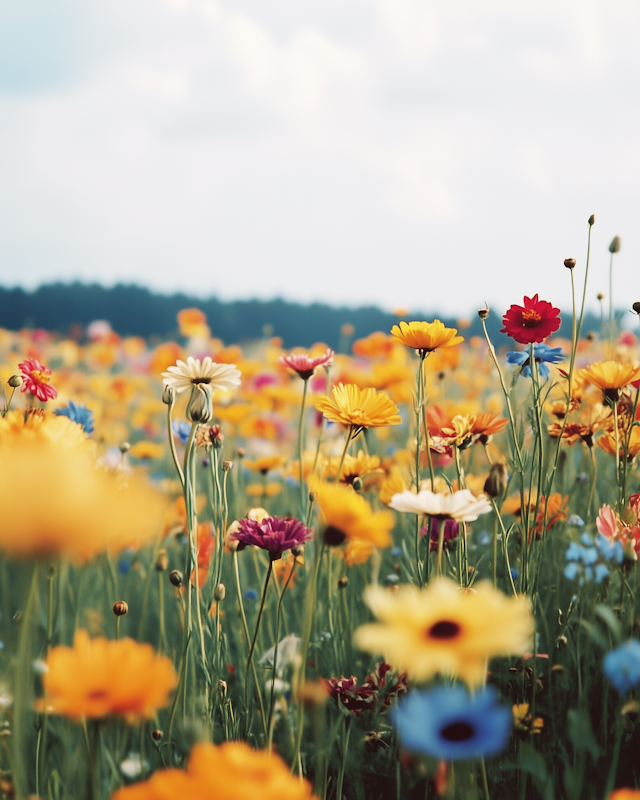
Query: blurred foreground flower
x=64, y=503
x=441, y=629
x=347, y=515
x=451, y=724
x=230, y=771
x=99, y=678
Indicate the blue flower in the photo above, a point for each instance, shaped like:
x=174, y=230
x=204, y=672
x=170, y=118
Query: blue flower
x=543, y=355
x=610, y=551
x=589, y=560
x=451, y=724
x=182, y=430
x=77, y=413
x=397, y=552
x=575, y=520
x=622, y=666
x=251, y=594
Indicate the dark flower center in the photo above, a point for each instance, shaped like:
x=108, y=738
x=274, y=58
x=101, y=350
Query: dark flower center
x=333, y=536
x=530, y=318
x=458, y=732
x=196, y=381
x=444, y=629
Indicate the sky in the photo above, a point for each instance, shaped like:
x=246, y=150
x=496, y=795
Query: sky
x=425, y=154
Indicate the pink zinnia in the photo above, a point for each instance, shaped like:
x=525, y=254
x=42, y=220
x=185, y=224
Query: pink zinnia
x=305, y=366
x=36, y=378
x=273, y=534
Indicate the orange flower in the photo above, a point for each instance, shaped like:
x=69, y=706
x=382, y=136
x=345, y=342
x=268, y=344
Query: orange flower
x=357, y=551
x=164, y=356
x=265, y=463
x=625, y=794
x=230, y=771
x=610, y=376
x=206, y=546
x=426, y=336
x=487, y=425
x=376, y=344
x=99, y=678
x=192, y=322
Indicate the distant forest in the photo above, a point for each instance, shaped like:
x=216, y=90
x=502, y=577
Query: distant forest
x=136, y=311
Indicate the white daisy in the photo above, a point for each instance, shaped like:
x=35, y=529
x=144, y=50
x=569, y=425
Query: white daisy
x=193, y=373
x=461, y=506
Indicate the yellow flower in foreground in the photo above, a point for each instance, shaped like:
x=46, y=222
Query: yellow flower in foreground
x=99, y=678
x=347, y=515
x=608, y=442
x=230, y=771
x=442, y=629
x=361, y=408
x=426, y=336
x=57, y=501
x=610, y=376
x=357, y=552
x=39, y=425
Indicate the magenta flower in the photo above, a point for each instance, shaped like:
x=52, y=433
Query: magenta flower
x=36, y=379
x=305, y=366
x=273, y=534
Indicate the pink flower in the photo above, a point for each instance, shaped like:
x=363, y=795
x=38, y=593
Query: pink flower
x=36, y=379
x=272, y=534
x=305, y=366
x=607, y=522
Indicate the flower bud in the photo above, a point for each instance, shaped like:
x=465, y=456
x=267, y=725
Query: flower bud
x=496, y=483
x=15, y=381
x=222, y=686
x=342, y=582
x=120, y=608
x=636, y=307
x=124, y=447
x=614, y=247
x=176, y=577
x=241, y=452
x=592, y=219
x=569, y=263
x=162, y=562
x=357, y=484
x=600, y=296
x=312, y=497
x=562, y=642
x=168, y=395
x=157, y=735
x=297, y=550
x=200, y=408
x=227, y=465
x=483, y=313
x=219, y=593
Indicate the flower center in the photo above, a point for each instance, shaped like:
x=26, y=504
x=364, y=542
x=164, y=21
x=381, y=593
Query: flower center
x=444, y=629
x=530, y=318
x=458, y=732
x=196, y=381
x=333, y=536
x=40, y=377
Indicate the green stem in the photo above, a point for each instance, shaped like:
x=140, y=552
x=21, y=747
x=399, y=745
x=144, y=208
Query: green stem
x=303, y=494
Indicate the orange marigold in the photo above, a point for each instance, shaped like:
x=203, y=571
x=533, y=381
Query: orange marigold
x=99, y=678
x=230, y=771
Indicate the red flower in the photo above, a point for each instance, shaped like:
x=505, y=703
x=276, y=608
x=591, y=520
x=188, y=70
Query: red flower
x=36, y=379
x=305, y=366
x=532, y=322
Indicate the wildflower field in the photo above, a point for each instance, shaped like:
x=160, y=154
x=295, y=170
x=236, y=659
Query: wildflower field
x=406, y=570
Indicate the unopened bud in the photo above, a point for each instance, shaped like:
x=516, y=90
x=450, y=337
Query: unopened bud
x=227, y=465
x=120, y=608
x=614, y=247
x=124, y=447
x=600, y=296
x=496, y=483
x=162, y=562
x=636, y=307
x=200, y=408
x=569, y=263
x=219, y=592
x=176, y=577
x=297, y=550
x=312, y=497
x=562, y=642
x=222, y=686
x=342, y=582
x=357, y=484
x=15, y=381
x=168, y=395
x=483, y=313
x=157, y=735
x=241, y=452
x=592, y=219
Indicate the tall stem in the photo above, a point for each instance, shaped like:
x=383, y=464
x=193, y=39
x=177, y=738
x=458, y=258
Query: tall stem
x=303, y=496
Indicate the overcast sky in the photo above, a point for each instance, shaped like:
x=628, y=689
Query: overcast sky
x=421, y=153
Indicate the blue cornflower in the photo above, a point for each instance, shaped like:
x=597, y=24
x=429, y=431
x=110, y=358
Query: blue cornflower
x=589, y=560
x=451, y=724
x=543, y=355
x=182, y=430
x=77, y=413
x=622, y=666
x=251, y=594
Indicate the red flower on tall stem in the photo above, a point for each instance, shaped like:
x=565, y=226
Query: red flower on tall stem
x=36, y=379
x=531, y=323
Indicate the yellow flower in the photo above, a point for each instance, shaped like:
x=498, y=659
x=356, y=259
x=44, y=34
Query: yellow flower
x=426, y=336
x=442, y=629
x=360, y=408
x=146, y=450
x=392, y=484
x=58, y=501
x=230, y=771
x=39, y=425
x=610, y=376
x=98, y=678
x=347, y=515
x=270, y=489
x=522, y=719
x=357, y=551
x=353, y=467
x=608, y=442
x=461, y=431
x=264, y=464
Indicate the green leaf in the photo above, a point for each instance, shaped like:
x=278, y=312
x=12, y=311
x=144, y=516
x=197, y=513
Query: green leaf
x=581, y=732
x=607, y=615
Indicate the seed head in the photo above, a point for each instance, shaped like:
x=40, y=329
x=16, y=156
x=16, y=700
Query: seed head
x=176, y=577
x=124, y=447
x=162, y=562
x=219, y=593
x=600, y=296
x=636, y=307
x=614, y=247
x=569, y=263
x=157, y=735
x=120, y=608
x=496, y=483
x=342, y=582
